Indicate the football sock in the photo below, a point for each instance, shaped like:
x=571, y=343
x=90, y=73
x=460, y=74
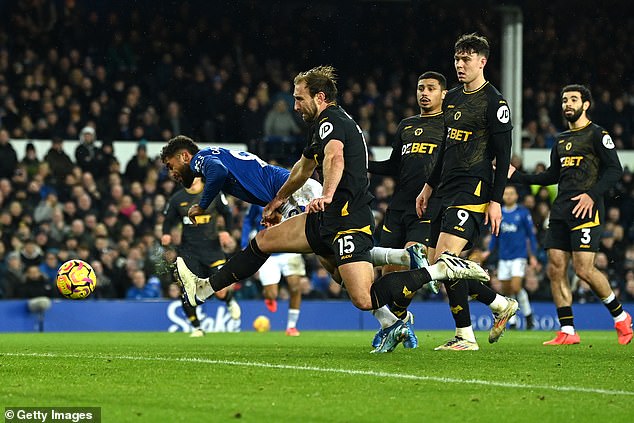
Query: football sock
x=499, y=303
x=293, y=317
x=614, y=307
x=481, y=292
x=398, y=287
x=525, y=304
x=190, y=312
x=466, y=333
x=384, y=316
x=240, y=266
x=400, y=310
x=228, y=297
x=458, y=293
x=566, y=320
x=381, y=256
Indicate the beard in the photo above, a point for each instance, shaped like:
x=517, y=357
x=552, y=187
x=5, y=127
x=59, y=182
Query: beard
x=575, y=116
x=188, y=177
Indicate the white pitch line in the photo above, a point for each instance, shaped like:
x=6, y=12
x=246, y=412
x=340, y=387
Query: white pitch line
x=512, y=385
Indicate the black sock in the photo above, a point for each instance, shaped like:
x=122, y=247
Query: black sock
x=481, y=292
x=614, y=307
x=400, y=310
x=241, y=266
x=564, y=314
x=398, y=287
x=458, y=293
x=190, y=312
x=228, y=296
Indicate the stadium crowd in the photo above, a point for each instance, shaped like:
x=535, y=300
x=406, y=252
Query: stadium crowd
x=95, y=72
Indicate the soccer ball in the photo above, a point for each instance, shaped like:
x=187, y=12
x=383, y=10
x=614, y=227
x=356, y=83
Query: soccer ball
x=76, y=279
x=262, y=324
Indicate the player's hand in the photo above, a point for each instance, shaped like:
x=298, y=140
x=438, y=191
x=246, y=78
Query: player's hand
x=270, y=215
x=194, y=211
x=512, y=170
x=319, y=204
x=493, y=216
x=584, y=206
x=272, y=219
x=422, y=200
x=224, y=238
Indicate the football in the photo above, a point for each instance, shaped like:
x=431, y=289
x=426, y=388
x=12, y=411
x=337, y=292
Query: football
x=76, y=279
x=262, y=324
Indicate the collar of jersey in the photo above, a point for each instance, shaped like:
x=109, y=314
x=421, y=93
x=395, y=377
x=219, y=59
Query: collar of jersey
x=477, y=89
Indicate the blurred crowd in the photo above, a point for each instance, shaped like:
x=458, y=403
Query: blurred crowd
x=222, y=72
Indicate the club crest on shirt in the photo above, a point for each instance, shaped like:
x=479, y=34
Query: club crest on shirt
x=325, y=129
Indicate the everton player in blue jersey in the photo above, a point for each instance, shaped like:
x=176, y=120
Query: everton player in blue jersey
x=512, y=243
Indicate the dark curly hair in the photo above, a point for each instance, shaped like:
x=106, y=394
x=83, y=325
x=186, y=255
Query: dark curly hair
x=473, y=43
x=586, y=95
x=176, y=144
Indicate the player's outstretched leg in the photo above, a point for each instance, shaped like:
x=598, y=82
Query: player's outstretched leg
x=398, y=286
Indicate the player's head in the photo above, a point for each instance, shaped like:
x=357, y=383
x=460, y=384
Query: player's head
x=576, y=99
x=176, y=155
x=510, y=196
x=471, y=53
x=430, y=91
x=315, y=89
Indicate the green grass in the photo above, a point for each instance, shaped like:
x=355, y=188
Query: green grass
x=319, y=376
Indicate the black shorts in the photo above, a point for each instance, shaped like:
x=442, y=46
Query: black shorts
x=402, y=226
x=462, y=215
x=347, y=238
x=202, y=262
x=574, y=235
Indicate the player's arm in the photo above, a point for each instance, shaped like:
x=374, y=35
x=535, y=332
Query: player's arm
x=214, y=174
x=422, y=200
x=612, y=171
x=300, y=172
x=501, y=145
x=333, y=171
x=389, y=167
x=548, y=177
x=611, y=165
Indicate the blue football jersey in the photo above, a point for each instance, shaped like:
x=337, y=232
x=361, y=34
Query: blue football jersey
x=517, y=227
x=239, y=173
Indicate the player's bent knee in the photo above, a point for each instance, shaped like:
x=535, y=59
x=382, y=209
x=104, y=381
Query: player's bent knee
x=362, y=303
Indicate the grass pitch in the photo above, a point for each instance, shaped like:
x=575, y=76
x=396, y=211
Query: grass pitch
x=318, y=377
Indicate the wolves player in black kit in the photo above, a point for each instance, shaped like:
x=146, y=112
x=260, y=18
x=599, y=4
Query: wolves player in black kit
x=467, y=192
x=414, y=154
x=584, y=164
x=200, y=245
